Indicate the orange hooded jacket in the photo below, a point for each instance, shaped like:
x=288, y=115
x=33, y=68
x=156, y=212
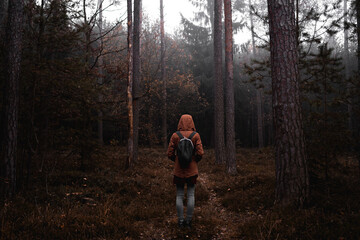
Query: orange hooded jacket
x=186, y=126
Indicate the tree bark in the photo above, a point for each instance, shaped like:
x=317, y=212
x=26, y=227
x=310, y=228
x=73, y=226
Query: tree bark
x=11, y=94
x=253, y=124
x=129, y=90
x=218, y=88
x=357, y=5
x=229, y=91
x=210, y=8
x=297, y=23
x=136, y=76
x=3, y=14
x=100, y=78
x=259, y=118
x=346, y=64
x=162, y=74
x=292, y=178
x=357, y=117
x=259, y=105
x=270, y=129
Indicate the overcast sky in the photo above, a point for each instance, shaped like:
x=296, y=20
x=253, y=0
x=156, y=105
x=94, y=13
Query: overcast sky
x=172, y=11
x=151, y=8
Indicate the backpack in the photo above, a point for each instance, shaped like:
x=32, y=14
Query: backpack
x=185, y=149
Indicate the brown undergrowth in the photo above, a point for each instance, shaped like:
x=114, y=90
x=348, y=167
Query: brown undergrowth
x=106, y=202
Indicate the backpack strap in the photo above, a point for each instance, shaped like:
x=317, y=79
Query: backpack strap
x=192, y=134
x=179, y=134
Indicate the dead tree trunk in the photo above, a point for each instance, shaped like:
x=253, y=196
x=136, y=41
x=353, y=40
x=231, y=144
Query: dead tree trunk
x=292, y=178
x=11, y=95
x=218, y=86
x=130, y=146
x=162, y=74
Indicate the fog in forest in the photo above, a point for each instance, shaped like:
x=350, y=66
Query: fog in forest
x=95, y=104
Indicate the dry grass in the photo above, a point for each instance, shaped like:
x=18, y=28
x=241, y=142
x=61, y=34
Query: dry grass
x=106, y=202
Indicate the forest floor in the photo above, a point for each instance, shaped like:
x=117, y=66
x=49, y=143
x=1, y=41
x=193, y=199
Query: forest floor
x=106, y=202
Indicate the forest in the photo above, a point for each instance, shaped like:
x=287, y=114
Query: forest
x=91, y=104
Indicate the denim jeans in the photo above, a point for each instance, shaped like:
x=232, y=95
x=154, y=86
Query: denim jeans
x=190, y=201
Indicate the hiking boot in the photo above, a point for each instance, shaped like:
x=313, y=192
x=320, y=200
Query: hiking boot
x=181, y=223
x=188, y=224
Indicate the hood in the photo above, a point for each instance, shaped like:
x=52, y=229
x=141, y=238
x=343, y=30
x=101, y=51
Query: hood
x=186, y=123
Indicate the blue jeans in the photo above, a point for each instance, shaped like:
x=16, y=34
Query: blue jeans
x=180, y=201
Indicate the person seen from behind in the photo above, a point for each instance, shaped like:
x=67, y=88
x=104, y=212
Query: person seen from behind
x=186, y=150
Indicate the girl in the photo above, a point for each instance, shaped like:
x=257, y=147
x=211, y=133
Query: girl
x=187, y=175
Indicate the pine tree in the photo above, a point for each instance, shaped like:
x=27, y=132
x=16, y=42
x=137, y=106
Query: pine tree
x=130, y=144
x=3, y=14
x=101, y=72
x=11, y=95
x=324, y=93
x=292, y=179
x=136, y=76
x=229, y=91
x=162, y=74
x=259, y=105
x=357, y=84
x=218, y=86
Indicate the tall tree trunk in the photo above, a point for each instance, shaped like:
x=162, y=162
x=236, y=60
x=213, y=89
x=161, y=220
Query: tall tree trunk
x=162, y=74
x=357, y=5
x=357, y=117
x=297, y=23
x=210, y=8
x=100, y=78
x=325, y=129
x=253, y=124
x=136, y=75
x=129, y=90
x=11, y=94
x=258, y=90
x=292, y=178
x=3, y=25
x=229, y=91
x=86, y=122
x=3, y=14
x=270, y=129
x=347, y=69
x=259, y=108
x=218, y=86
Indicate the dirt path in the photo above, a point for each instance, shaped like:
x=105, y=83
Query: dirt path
x=212, y=212
x=211, y=219
x=221, y=214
